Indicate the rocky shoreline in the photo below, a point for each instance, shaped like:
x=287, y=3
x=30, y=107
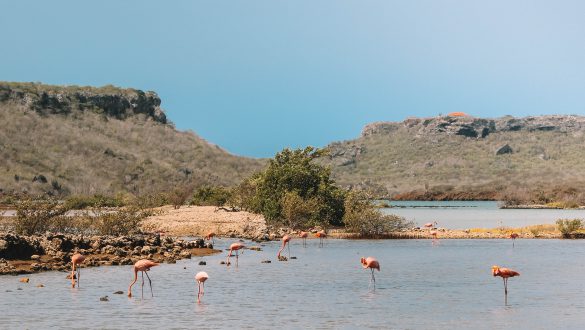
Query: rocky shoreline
x=30, y=254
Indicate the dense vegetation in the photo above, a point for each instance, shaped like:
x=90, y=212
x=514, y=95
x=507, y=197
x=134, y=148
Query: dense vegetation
x=295, y=191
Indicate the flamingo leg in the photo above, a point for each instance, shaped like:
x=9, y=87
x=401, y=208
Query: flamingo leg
x=142, y=275
x=237, y=254
x=78, y=276
x=288, y=248
x=373, y=278
x=150, y=284
x=199, y=292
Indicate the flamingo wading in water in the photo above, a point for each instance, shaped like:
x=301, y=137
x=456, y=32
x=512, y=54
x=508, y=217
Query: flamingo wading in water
x=201, y=277
x=434, y=235
x=504, y=273
x=285, y=241
x=210, y=236
x=76, y=260
x=235, y=247
x=513, y=236
x=321, y=234
x=304, y=235
x=143, y=266
x=371, y=263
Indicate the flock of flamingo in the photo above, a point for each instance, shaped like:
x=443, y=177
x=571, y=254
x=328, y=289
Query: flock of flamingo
x=144, y=265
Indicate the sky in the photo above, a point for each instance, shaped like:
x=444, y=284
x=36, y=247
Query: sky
x=256, y=76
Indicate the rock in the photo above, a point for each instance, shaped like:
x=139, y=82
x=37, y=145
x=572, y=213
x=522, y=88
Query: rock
x=202, y=263
x=104, y=298
x=282, y=258
x=255, y=248
x=293, y=258
x=265, y=261
x=24, y=280
x=222, y=262
x=147, y=249
x=35, y=257
x=209, y=245
x=185, y=254
x=505, y=149
x=40, y=286
x=118, y=292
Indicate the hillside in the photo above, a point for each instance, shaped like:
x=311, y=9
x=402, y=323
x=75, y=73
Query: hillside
x=462, y=157
x=85, y=140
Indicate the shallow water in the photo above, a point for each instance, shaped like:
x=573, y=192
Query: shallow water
x=420, y=286
x=477, y=214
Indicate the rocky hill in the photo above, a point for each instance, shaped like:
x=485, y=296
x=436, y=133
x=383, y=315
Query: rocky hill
x=463, y=157
x=85, y=140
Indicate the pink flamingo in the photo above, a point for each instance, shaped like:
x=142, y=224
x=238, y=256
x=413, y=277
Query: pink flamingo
x=201, y=277
x=304, y=235
x=504, y=273
x=513, y=236
x=371, y=263
x=434, y=234
x=321, y=235
x=76, y=260
x=235, y=247
x=430, y=224
x=210, y=237
x=143, y=266
x=285, y=240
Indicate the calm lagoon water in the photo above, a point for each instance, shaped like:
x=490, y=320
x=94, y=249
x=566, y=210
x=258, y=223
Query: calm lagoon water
x=420, y=286
x=463, y=215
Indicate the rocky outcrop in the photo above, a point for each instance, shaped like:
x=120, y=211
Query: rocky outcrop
x=505, y=149
x=109, y=100
x=345, y=155
x=54, y=251
x=472, y=127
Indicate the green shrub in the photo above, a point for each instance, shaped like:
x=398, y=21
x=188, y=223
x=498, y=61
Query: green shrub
x=567, y=226
x=81, y=202
x=211, y=196
x=295, y=171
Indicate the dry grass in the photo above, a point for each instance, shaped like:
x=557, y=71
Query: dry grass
x=543, y=164
x=528, y=231
x=88, y=153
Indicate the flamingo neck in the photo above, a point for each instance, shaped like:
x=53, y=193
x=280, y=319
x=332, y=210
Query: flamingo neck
x=134, y=281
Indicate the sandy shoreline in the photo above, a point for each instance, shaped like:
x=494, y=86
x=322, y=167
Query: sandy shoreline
x=200, y=220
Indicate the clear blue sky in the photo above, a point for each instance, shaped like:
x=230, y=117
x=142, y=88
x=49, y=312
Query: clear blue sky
x=258, y=76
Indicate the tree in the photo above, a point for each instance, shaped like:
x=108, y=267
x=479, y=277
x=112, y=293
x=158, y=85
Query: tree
x=294, y=171
x=298, y=212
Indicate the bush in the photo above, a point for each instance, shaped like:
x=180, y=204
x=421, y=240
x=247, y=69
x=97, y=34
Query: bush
x=35, y=217
x=295, y=171
x=125, y=221
x=366, y=220
x=179, y=196
x=567, y=226
x=211, y=196
x=82, y=202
